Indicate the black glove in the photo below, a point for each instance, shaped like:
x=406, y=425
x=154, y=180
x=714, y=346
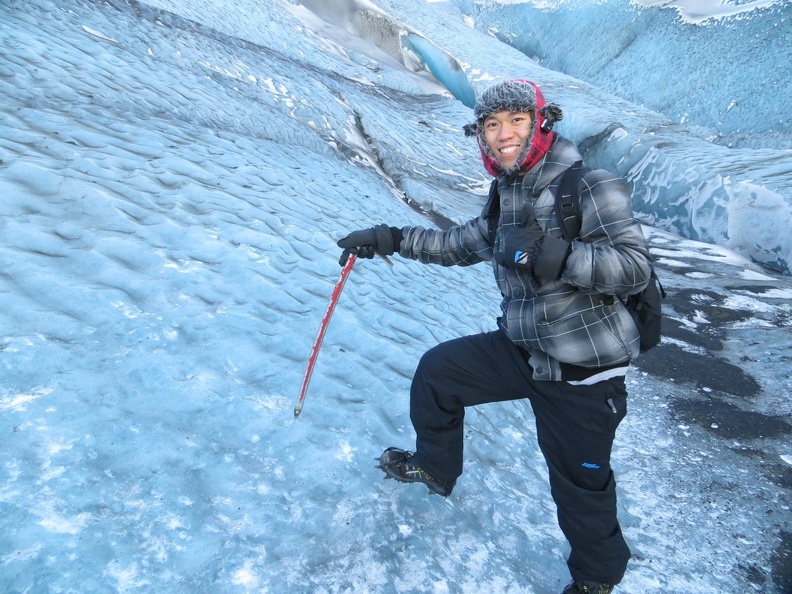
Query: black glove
x=519, y=244
x=551, y=259
x=382, y=240
x=526, y=246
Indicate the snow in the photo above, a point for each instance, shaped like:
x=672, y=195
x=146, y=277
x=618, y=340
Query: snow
x=173, y=178
x=702, y=10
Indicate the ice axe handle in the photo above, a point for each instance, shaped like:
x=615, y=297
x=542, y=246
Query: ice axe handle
x=322, y=329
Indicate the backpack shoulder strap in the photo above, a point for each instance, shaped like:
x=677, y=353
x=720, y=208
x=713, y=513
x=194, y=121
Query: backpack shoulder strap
x=491, y=210
x=568, y=201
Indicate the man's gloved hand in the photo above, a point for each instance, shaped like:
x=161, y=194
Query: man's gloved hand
x=551, y=259
x=519, y=245
x=526, y=246
x=382, y=240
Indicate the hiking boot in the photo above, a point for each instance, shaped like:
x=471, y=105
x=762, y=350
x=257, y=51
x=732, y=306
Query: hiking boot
x=588, y=588
x=399, y=464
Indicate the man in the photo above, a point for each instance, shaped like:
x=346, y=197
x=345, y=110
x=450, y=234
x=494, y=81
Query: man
x=563, y=341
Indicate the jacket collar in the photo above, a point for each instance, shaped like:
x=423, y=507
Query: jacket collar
x=560, y=157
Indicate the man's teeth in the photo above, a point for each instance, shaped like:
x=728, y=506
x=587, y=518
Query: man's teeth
x=509, y=150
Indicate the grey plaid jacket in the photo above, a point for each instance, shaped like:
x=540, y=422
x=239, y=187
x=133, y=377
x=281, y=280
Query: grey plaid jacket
x=573, y=320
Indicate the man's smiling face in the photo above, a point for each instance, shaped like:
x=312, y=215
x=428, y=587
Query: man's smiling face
x=506, y=133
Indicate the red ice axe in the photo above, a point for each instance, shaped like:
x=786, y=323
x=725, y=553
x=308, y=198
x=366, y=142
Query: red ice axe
x=322, y=329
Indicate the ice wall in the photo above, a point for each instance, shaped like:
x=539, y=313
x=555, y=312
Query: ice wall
x=729, y=74
x=172, y=185
x=672, y=106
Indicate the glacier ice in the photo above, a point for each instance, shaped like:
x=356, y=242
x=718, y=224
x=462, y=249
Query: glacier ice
x=173, y=177
x=719, y=176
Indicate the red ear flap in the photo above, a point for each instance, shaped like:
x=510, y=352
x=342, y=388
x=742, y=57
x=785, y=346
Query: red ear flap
x=543, y=138
x=491, y=164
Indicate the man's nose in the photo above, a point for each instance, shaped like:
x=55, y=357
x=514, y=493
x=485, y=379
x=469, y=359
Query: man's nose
x=505, y=132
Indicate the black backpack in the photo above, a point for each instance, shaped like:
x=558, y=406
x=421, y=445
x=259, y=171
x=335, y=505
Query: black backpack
x=644, y=307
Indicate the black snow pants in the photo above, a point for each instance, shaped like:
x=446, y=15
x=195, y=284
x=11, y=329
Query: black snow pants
x=575, y=427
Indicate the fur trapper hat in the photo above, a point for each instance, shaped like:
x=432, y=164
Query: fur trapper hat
x=516, y=95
